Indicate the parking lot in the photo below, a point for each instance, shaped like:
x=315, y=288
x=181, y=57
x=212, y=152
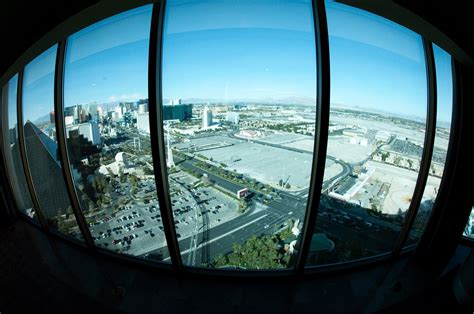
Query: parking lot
x=192, y=201
x=137, y=229
x=134, y=230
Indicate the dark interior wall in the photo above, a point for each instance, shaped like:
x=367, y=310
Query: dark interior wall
x=22, y=23
x=453, y=18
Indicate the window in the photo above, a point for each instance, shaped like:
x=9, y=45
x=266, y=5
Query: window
x=376, y=135
x=12, y=150
x=41, y=144
x=237, y=85
x=106, y=122
x=444, y=81
x=239, y=95
x=469, y=229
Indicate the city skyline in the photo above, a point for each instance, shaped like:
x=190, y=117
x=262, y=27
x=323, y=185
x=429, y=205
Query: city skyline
x=235, y=71
x=237, y=176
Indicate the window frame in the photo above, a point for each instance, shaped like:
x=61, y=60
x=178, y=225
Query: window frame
x=62, y=147
x=430, y=132
x=102, y=11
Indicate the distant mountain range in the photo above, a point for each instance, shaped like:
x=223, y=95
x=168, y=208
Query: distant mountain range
x=304, y=101
x=379, y=111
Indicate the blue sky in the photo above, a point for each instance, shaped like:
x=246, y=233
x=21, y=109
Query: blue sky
x=444, y=84
x=38, y=85
x=239, y=50
x=252, y=50
x=12, y=88
x=378, y=64
x=108, y=61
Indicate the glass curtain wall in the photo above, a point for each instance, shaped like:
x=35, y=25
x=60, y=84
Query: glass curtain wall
x=107, y=133
x=444, y=81
x=41, y=144
x=376, y=135
x=239, y=97
x=239, y=108
x=12, y=150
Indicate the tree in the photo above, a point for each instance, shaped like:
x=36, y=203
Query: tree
x=374, y=207
x=91, y=206
x=134, y=181
x=287, y=231
x=256, y=253
x=397, y=160
x=243, y=205
x=121, y=176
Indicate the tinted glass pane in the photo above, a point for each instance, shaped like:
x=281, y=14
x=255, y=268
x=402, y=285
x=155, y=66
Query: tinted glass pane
x=469, y=229
x=41, y=144
x=105, y=87
x=12, y=149
x=239, y=88
x=444, y=81
x=376, y=135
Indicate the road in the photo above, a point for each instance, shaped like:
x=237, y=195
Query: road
x=220, y=239
x=267, y=219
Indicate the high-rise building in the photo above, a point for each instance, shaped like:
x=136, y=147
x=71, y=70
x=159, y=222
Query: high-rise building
x=129, y=106
x=100, y=113
x=169, y=155
x=69, y=111
x=83, y=116
x=77, y=109
x=142, y=122
x=51, y=117
x=90, y=131
x=119, y=111
x=13, y=135
x=68, y=120
x=206, y=117
x=178, y=112
x=142, y=108
x=176, y=101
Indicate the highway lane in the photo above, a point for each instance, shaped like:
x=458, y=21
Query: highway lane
x=229, y=186
x=287, y=205
x=223, y=228
x=346, y=170
x=266, y=226
x=278, y=214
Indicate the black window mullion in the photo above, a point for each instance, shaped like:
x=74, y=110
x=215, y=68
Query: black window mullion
x=7, y=175
x=439, y=229
x=62, y=146
x=322, y=124
x=156, y=132
x=22, y=147
x=427, y=148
